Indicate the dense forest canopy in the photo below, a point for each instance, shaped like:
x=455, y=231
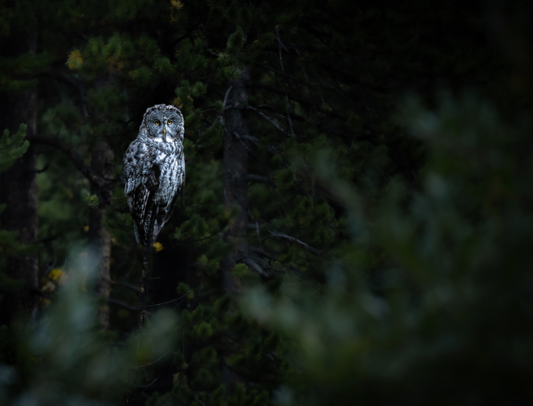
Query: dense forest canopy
x=355, y=226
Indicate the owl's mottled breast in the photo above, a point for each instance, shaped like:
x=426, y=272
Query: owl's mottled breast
x=171, y=163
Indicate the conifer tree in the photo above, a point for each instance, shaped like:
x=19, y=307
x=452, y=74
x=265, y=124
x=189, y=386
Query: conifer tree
x=11, y=148
x=20, y=61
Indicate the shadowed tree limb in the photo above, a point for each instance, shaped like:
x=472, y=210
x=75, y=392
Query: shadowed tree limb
x=76, y=160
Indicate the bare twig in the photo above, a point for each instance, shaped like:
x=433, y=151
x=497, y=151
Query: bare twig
x=198, y=400
x=226, y=97
x=122, y=304
x=126, y=284
x=153, y=362
x=306, y=246
x=258, y=235
x=242, y=139
x=283, y=70
x=150, y=384
x=170, y=301
x=269, y=120
x=260, y=251
x=256, y=267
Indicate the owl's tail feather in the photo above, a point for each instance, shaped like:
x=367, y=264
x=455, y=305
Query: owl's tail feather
x=143, y=235
x=146, y=233
x=138, y=236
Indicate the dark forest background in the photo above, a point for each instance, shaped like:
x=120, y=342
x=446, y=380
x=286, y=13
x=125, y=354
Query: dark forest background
x=357, y=221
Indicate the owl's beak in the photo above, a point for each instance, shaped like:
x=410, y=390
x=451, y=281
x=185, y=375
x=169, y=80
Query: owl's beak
x=164, y=131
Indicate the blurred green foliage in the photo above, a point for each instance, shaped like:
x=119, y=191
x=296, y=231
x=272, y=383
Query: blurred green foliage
x=11, y=148
x=65, y=359
x=446, y=317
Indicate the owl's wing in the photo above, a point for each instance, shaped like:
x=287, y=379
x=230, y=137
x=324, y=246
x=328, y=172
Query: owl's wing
x=170, y=210
x=141, y=179
x=136, y=165
x=140, y=202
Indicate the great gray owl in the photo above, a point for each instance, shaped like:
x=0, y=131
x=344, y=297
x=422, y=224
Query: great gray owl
x=153, y=171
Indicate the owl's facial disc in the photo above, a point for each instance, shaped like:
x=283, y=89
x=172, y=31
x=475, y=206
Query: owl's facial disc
x=164, y=125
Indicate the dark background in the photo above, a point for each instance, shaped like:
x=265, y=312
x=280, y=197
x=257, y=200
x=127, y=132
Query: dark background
x=356, y=221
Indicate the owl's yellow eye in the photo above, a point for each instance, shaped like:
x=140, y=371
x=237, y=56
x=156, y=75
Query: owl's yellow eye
x=158, y=122
x=169, y=121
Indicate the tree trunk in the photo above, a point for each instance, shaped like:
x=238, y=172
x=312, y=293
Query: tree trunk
x=235, y=170
x=99, y=237
x=234, y=176
x=18, y=190
x=18, y=185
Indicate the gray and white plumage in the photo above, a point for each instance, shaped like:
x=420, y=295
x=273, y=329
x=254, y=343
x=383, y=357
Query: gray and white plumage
x=153, y=171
